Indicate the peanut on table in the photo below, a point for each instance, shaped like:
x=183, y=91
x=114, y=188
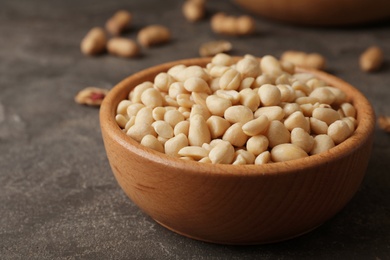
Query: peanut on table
x=253, y=111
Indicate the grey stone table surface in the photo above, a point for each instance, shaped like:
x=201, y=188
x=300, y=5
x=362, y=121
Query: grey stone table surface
x=58, y=197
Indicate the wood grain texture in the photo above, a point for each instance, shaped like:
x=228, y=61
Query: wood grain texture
x=320, y=12
x=231, y=204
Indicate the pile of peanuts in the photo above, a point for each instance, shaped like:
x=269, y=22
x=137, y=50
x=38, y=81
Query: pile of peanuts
x=254, y=111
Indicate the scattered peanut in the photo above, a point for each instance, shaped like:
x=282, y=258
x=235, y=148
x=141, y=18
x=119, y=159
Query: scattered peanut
x=231, y=25
x=214, y=47
x=299, y=58
x=251, y=112
x=94, y=42
x=371, y=59
x=119, y=22
x=122, y=47
x=384, y=123
x=91, y=96
x=153, y=35
x=194, y=10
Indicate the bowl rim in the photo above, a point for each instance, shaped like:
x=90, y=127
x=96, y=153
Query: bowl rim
x=364, y=130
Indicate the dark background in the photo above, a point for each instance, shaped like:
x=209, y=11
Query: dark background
x=58, y=197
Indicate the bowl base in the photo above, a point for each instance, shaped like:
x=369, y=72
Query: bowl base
x=227, y=242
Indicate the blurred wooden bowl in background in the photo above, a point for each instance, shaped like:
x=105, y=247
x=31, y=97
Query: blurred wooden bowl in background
x=320, y=12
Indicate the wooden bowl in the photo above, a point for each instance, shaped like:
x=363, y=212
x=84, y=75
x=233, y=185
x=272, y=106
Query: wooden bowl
x=230, y=204
x=320, y=12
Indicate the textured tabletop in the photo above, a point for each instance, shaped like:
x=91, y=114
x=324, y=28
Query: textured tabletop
x=58, y=197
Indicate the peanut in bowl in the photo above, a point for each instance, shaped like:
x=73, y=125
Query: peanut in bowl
x=237, y=204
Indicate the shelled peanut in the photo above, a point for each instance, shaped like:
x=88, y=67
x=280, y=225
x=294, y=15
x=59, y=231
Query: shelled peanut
x=303, y=59
x=153, y=35
x=384, y=123
x=212, y=48
x=94, y=42
x=371, y=59
x=250, y=111
x=122, y=47
x=222, y=23
x=194, y=10
x=119, y=22
x=91, y=96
